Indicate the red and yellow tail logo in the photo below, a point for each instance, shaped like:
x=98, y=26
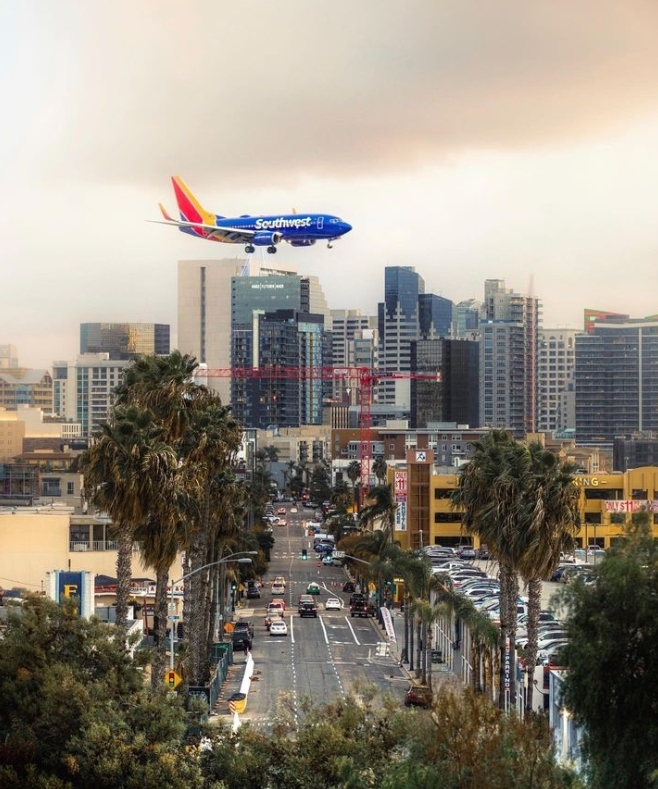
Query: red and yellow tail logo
x=190, y=208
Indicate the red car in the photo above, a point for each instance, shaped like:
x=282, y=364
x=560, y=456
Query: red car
x=281, y=511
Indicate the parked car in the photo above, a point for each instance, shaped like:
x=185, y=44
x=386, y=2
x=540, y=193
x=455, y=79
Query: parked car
x=278, y=628
x=253, y=593
x=418, y=696
x=333, y=604
x=467, y=553
x=244, y=624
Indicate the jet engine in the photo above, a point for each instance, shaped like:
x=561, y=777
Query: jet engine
x=266, y=239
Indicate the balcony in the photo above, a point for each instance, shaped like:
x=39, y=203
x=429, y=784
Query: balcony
x=76, y=546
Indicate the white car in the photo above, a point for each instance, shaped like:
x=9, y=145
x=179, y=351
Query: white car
x=293, y=510
x=278, y=628
x=278, y=588
x=333, y=604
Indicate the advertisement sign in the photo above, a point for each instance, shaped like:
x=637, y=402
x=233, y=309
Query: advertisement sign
x=388, y=622
x=401, y=516
x=636, y=505
x=401, y=484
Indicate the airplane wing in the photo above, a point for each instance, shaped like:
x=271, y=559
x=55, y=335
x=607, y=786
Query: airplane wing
x=235, y=235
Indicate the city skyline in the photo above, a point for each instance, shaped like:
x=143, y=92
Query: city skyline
x=512, y=142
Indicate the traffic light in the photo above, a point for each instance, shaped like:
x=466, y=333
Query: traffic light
x=171, y=680
x=304, y=554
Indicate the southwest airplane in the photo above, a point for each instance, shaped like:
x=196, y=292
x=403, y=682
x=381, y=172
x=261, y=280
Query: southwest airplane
x=298, y=230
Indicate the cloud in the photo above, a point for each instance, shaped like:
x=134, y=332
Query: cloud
x=256, y=90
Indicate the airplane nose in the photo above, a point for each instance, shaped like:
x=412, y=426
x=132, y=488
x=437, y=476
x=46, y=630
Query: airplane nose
x=346, y=227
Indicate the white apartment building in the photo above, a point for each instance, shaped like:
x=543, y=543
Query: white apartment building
x=556, y=397
x=83, y=390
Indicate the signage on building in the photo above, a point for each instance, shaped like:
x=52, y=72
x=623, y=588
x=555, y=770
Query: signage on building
x=70, y=585
x=588, y=482
x=400, y=490
x=648, y=505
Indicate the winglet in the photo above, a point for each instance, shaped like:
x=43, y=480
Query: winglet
x=165, y=214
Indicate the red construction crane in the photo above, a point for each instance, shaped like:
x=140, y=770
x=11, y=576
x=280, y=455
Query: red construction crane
x=365, y=377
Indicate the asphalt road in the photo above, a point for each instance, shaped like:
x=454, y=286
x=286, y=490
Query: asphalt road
x=321, y=659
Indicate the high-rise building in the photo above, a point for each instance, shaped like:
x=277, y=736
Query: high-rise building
x=204, y=315
x=353, y=344
x=20, y=386
x=278, y=321
x=616, y=379
x=8, y=356
x=84, y=390
x=293, y=342
x=467, y=318
x=556, y=398
x=508, y=359
x=452, y=398
x=125, y=340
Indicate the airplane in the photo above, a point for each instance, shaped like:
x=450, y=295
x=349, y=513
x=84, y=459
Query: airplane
x=298, y=230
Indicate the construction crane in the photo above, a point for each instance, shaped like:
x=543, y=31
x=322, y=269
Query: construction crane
x=366, y=380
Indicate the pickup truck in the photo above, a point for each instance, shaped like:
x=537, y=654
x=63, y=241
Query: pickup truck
x=361, y=608
x=275, y=610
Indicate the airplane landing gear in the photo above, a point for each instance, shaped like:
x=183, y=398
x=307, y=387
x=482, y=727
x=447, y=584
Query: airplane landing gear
x=250, y=249
x=329, y=245
x=272, y=249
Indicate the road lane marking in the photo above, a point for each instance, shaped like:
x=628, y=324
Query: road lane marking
x=349, y=624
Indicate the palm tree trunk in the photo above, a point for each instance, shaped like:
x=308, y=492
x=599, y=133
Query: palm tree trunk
x=161, y=603
x=411, y=639
x=124, y=573
x=534, y=608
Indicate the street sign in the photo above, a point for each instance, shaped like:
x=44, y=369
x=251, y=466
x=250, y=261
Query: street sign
x=371, y=586
x=173, y=617
x=228, y=627
x=171, y=679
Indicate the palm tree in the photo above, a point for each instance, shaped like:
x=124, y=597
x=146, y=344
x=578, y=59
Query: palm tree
x=354, y=475
x=491, y=493
x=379, y=468
x=550, y=524
x=124, y=470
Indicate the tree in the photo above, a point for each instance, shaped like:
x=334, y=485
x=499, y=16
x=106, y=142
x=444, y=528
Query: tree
x=74, y=711
x=612, y=654
x=125, y=468
x=491, y=493
x=379, y=468
x=548, y=527
x=354, y=475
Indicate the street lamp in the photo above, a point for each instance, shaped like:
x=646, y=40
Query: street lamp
x=244, y=560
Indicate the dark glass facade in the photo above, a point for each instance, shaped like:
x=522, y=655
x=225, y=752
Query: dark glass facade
x=455, y=398
x=434, y=316
x=616, y=379
x=125, y=340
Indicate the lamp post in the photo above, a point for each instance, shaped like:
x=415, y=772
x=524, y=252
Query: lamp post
x=244, y=560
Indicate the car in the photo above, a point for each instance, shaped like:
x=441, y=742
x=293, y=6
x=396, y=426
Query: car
x=278, y=628
x=418, y=696
x=468, y=553
x=244, y=624
x=253, y=593
x=241, y=640
x=312, y=588
x=333, y=604
x=281, y=511
x=275, y=610
x=293, y=510
x=278, y=588
x=327, y=559
x=308, y=608
x=348, y=586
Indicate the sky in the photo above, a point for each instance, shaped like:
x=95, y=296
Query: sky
x=472, y=140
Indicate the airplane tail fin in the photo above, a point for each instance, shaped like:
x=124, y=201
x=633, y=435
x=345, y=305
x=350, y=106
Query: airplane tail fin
x=190, y=208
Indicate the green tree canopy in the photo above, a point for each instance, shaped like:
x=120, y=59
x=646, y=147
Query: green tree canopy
x=613, y=663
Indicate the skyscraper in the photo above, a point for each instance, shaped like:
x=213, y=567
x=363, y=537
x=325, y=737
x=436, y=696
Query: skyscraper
x=124, y=340
x=453, y=398
x=556, y=361
x=616, y=378
x=508, y=359
x=273, y=324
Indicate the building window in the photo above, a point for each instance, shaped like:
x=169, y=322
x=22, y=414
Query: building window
x=70, y=488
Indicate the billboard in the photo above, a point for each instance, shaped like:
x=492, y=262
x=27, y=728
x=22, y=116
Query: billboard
x=632, y=506
x=400, y=491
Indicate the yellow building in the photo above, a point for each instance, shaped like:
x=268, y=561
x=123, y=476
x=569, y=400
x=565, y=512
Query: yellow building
x=607, y=504
x=36, y=540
